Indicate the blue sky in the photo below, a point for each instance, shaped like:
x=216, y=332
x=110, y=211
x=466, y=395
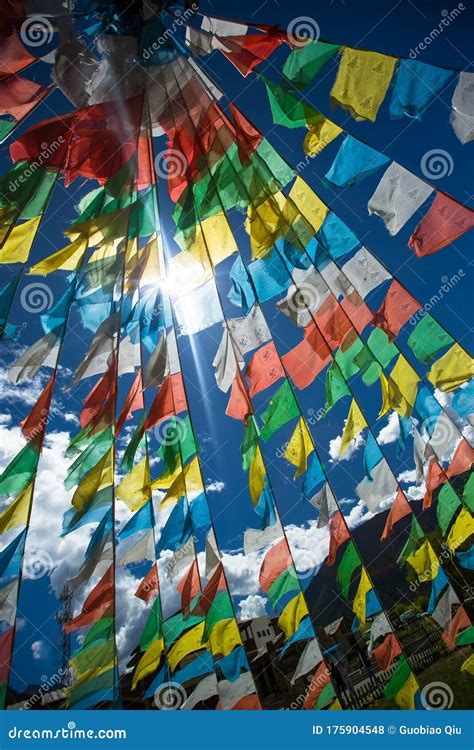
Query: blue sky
x=385, y=27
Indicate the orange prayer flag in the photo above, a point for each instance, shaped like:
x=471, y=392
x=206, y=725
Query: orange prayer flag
x=18, y=96
x=460, y=621
x=240, y=405
x=35, y=423
x=358, y=313
x=434, y=477
x=277, y=559
x=247, y=703
x=149, y=586
x=387, y=651
x=216, y=583
x=101, y=393
x=400, y=508
x=306, y=360
x=339, y=534
x=445, y=221
x=264, y=369
x=96, y=604
x=462, y=460
x=188, y=587
x=320, y=680
x=169, y=400
x=13, y=55
x=133, y=401
x=397, y=307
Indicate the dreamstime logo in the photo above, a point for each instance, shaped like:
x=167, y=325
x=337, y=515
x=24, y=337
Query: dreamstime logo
x=46, y=684
x=447, y=17
x=170, y=164
x=437, y=164
x=36, y=31
x=47, y=150
x=180, y=19
x=446, y=285
x=36, y=297
x=171, y=433
x=37, y=563
x=315, y=416
x=306, y=297
x=302, y=30
x=437, y=696
x=169, y=696
x=429, y=573
x=439, y=429
x=313, y=686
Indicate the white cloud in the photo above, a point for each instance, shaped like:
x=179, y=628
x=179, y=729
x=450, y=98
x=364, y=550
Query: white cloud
x=335, y=446
x=252, y=606
x=391, y=432
x=38, y=650
x=215, y=486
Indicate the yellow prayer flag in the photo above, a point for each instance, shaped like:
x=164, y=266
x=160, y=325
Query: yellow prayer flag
x=425, y=562
x=362, y=82
x=265, y=224
x=165, y=480
x=461, y=530
x=452, y=369
x=134, y=489
x=405, y=698
x=213, y=238
x=89, y=675
x=360, y=599
x=292, y=615
x=149, y=661
x=404, y=377
x=187, y=481
x=355, y=423
x=299, y=448
x=319, y=136
x=335, y=705
x=17, y=512
x=105, y=228
x=189, y=642
x=99, y=477
x=224, y=637
x=66, y=259
x=257, y=476
x=303, y=200
x=18, y=245
x=468, y=665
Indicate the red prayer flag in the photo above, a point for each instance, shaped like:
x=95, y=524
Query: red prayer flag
x=460, y=621
x=216, y=583
x=247, y=703
x=247, y=136
x=35, y=423
x=133, y=401
x=320, y=680
x=149, y=586
x=306, y=360
x=188, y=587
x=240, y=405
x=400, y=508
x=96, y=604
x=277, y=559
x=169, y=400
x=387, y=651
x=358, y=313
x=264, y=369
x=339, y=534
x=100, y=394
x=462, y=460
x=13, y=55
x=445, y=221
x=18, y=96
x=6, y=646
x=246, y=52
x=434, y=477
x=397, y=307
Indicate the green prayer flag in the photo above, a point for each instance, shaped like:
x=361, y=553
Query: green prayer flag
x=327, y=695
x=220, y=609
x=285, y=582
x=383, y=349
x=336, y=386
x=93, y=657
x=416, y=536
x=399, y=677
x=468, y=494
x=282, y=408
x=428, y=339
x=369, y=368
x=448, y=503
x=465, y=637
x=346, y=360
x=178, y=443
x=20, y=471
x=7, y=126
x=303, y=64
x=101, y=630
x=86, y=461
x=288, y=110
x=102, y=682
x=249, y=443
x=136, y=441
x=350, y=561
x=153, y=630
x=27, y=189
x=176, y=625
x=3, y=695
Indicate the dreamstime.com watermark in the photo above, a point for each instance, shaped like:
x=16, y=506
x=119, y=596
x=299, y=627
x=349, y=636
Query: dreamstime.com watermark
x=56, y=680
x=447, y=17
x=67, y=733
x=47, y=150
x=446, y=285
x=178, y=21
